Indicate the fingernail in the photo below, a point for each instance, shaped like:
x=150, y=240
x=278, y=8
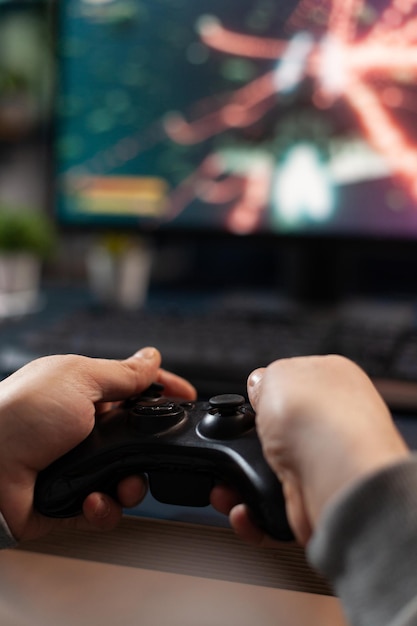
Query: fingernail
x=255, y=377
x=102, y=508
x=146, y=353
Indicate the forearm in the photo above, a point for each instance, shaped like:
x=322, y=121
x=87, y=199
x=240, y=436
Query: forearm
x=366, y=545
x=6, y=538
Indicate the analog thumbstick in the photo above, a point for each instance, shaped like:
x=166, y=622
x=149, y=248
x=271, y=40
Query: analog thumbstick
x=227, y=417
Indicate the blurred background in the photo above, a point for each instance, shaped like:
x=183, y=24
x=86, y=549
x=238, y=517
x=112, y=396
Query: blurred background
x=28, y=103
x=337, y=274
x=28, y=78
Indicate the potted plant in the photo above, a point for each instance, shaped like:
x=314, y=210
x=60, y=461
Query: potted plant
x=27, y=239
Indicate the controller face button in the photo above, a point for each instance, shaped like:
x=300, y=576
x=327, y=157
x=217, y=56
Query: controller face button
x=156, y=418
x=228, y=417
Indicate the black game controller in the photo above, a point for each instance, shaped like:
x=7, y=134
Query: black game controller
x=185, y=448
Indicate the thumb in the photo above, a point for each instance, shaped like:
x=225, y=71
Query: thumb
x=254, y=386
x=115, y=380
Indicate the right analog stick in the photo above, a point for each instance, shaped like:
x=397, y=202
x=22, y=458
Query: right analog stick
x=227, y=417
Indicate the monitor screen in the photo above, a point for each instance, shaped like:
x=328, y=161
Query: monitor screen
x=239, y=116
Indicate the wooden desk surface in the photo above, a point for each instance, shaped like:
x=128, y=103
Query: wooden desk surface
x=157, y=573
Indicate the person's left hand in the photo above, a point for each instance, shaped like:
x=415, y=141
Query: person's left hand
x=48, y=407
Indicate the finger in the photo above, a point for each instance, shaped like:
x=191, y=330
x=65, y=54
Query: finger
x=101, y=512
x=248, y=531
x=296, y=510
x=103, y=407
x=223, y=499
x=114, y=380
x=176, y=386
x=131, y=491
x=254, y=385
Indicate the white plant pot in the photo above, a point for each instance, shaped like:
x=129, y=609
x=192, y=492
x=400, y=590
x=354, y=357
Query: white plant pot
x=20, y=275
x=120, y=279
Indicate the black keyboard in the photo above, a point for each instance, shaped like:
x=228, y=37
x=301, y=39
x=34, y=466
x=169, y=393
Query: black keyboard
x=217, y=349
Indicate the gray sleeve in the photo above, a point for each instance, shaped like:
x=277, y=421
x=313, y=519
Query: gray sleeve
x=6, y=538
x=366, y=546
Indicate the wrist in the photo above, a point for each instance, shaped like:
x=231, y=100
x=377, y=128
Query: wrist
x=332, y=485
x=349, y=546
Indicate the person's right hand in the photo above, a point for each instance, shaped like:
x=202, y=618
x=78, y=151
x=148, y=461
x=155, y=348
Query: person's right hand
x=323, y=426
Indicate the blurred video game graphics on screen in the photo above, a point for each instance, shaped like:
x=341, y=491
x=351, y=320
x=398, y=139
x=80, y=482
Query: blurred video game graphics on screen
x=242, y=116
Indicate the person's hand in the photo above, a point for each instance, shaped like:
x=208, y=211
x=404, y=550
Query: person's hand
x=49, y=406
x=323, y=426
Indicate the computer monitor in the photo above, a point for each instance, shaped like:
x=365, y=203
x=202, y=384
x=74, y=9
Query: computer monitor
x=278, y=121
x=247, y=116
